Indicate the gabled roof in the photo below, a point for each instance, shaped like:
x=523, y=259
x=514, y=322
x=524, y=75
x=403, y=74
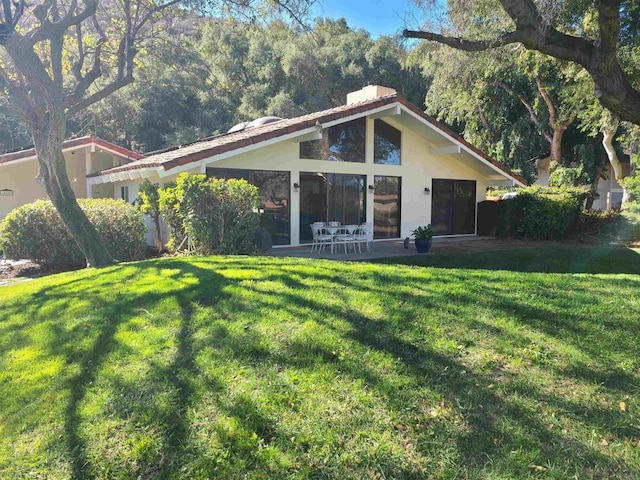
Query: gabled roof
x=72, y=144
x=255, y=137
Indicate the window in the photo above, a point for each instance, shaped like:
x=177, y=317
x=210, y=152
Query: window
x=274, y=190
x=386, y=143
x=124, y=194
x=311, y=150
x=340, y=143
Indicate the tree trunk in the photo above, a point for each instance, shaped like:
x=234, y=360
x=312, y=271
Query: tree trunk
x=556, y=145
x=609, y=133
x=44, y=115
x=53, y=176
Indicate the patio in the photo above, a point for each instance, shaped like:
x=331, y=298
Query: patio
x=395, y=248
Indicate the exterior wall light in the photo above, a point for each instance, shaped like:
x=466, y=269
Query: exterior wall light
x=427, y=191
x=371, y=188
x=296, y=186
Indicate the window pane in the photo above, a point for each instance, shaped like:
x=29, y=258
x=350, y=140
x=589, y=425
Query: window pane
x=311, y=150
x=442, y=196
x=464, y=210
x=347, y=141
x=386, y=144
x=453, y=206
x=274, y=190
x=340, y=143
x=331, y=197
x=386, y=207
x=346, y=198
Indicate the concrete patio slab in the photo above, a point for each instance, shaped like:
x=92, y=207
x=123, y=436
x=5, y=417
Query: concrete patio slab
x=393, y=248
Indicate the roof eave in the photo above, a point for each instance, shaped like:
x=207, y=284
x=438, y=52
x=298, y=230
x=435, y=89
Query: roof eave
x=440, y=129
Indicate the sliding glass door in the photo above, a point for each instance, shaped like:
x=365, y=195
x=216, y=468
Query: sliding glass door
x=326, y=197
x=453, y=207
x=386, y=207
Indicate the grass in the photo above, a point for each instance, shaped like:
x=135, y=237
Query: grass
x=233, y=367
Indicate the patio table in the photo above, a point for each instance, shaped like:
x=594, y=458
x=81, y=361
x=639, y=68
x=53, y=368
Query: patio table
x=343, y=234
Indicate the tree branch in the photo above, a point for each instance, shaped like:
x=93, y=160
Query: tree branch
x=467, y=45
x=551, y=106
x=609, y=26
x=99, y=95
x=18, y=96
x=11, y=18
x=49, y=30
x=527, y=104
x=612, y=85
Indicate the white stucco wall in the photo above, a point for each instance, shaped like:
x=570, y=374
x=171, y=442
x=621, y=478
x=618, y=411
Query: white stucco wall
x=20, y=176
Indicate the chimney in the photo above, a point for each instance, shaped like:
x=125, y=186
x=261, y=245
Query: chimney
x=368, y=93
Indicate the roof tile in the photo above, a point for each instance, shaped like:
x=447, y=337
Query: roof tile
x=231, y=141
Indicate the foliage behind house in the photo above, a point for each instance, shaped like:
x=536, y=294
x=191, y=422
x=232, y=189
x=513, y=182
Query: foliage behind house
x=540, y=213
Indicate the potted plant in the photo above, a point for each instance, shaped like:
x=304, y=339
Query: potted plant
x=423, y=237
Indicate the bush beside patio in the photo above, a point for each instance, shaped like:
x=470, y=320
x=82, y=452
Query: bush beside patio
x=286, y=368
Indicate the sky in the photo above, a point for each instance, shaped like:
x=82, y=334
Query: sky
x=378, y=17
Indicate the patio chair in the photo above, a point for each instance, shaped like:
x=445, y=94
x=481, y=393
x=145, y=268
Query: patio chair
x=349, y=238
x=320, y=237
x=364, y=234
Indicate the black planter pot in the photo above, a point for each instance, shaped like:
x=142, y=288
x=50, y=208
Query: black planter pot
x=423, y=246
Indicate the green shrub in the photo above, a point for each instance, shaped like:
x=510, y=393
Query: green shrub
x=540, y=212
x=219, y=216
x=149, y=203
x=632, y=185
x=36, y=232
x=596, y=225
x=629, y=231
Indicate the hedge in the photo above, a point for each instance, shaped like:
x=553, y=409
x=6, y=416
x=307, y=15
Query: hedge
x=35, y=231
x=540, y=212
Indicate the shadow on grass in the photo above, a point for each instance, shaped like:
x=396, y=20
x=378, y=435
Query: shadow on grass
x=434, y=397
x=108, y=310
x=496, y=424
x=594, y=259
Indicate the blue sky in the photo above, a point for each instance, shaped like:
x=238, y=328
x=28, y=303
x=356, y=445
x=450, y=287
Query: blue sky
x=378, y=17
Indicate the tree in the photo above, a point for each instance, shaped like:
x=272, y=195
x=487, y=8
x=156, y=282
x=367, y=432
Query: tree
x=60, y=57
x=564, y=30
x=512, y=103
x=206, y=74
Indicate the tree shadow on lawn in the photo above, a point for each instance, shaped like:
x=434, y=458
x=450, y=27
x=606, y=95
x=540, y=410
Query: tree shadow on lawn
x=495, y=414
x=594, y=259
x=496, y=425
x=108, y=309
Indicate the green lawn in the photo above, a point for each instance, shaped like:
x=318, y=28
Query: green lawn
x=280, y=368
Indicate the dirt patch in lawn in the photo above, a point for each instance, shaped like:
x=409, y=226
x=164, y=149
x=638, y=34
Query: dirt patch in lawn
x=11, y=270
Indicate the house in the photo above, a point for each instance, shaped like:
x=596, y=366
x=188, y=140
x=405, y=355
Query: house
x=83, y=156
x=376, y=159
x=609, y=192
